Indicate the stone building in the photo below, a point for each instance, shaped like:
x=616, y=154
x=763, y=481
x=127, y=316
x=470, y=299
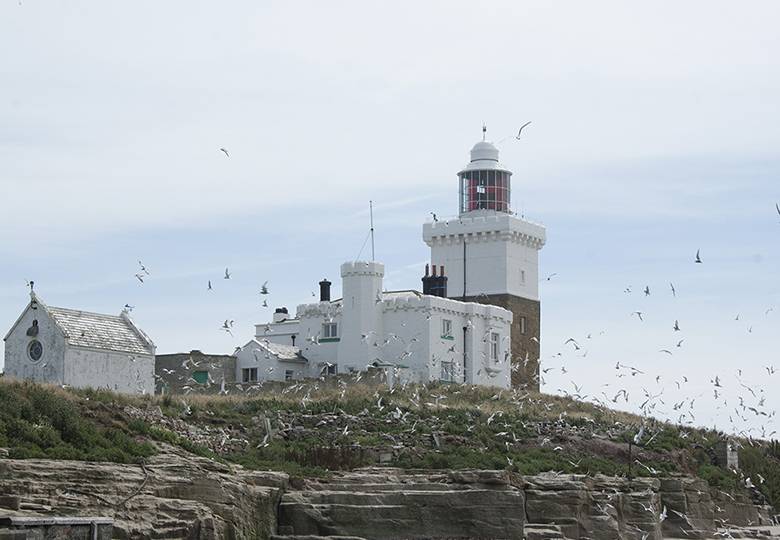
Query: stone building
x=491, y=255
x=80, y=349
x=417, y=337
x=196, y=370
x=477, y=319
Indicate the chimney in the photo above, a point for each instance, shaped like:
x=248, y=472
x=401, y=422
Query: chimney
x=280, y=314
x=324, y=290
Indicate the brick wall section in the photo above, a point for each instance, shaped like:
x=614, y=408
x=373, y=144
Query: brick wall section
x=524, y=377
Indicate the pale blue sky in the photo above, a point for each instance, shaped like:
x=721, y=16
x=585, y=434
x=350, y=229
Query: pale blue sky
x=655, y=133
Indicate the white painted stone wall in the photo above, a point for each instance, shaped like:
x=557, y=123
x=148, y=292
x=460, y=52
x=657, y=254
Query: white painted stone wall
x=269, y=367
x=402, y=330
x=502, y=253
x=17, y=362
x=118, y=371
x=75, y=366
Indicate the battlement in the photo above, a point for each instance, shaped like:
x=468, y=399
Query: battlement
x=362, y=268
x=486, y=228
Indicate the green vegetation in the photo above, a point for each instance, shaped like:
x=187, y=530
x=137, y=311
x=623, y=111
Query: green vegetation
x=42, y=421
x=422, y=427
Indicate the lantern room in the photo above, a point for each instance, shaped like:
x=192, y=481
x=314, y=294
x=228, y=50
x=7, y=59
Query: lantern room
x=484, y=182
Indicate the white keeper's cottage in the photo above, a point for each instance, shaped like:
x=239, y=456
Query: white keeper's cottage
x=79, y=349
x=418, y=337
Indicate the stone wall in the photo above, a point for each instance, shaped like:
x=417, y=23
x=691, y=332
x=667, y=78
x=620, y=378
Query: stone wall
x=175, y=373
x=525, y=375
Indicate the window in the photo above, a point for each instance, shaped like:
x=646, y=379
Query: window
x=448, y=371
x=35, y=350
x=288, y=375
x=328, y=369
x=522, y=325
x=249, y=374
x=446, y=329
x=330, y=332
x=494, y=347
x=522, y=277
x=201, y=377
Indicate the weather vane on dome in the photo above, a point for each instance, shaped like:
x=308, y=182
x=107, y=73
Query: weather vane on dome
x=484, y=130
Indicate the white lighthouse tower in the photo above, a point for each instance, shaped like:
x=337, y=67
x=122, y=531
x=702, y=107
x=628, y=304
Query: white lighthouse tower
x=491, y=256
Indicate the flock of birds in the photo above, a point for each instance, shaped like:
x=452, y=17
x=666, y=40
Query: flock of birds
x=670, y=393
x=650, y=400
x=228, y=324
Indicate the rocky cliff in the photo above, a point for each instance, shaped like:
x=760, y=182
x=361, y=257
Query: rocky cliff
x=186, y=497
x=172, y=496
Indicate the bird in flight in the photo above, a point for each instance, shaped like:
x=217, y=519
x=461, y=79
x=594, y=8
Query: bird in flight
x=676, y=327
x=140, y=277
x=647, y=290
x=144, y=268
x=264, y=288
x=521, y=130
x=518, y=133
x=209, y=286
x=674, y=293
x=698, y=259
x=227, y=274
x=638, y=314
x=226, y=152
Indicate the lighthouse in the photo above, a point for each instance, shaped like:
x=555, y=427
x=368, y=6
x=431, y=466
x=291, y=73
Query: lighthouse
x=492, y=255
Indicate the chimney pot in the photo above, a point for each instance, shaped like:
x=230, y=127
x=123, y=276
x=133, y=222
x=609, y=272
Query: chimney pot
x=324, y=290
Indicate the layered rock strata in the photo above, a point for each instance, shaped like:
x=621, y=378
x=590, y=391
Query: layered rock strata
x=179, y=497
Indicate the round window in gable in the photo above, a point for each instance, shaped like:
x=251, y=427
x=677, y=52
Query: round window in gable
x=35, y=350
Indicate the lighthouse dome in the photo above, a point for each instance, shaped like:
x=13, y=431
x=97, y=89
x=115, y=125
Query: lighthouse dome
x=484, y=157
x=484, y=150
x=484, y=182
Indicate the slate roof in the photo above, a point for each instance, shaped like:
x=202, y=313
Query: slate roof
x=282, y=352
x=111, y=332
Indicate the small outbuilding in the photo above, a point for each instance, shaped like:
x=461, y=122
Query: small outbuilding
x=79, y=349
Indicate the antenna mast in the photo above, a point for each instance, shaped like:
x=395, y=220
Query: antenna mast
x=371, y=213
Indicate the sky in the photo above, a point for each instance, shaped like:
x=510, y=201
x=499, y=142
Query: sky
x=655, y=135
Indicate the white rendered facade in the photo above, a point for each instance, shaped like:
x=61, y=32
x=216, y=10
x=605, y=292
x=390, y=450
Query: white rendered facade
x=491, y=256
x=421, y=337
x=80, y=349
x=501, y=253
x=488, y=250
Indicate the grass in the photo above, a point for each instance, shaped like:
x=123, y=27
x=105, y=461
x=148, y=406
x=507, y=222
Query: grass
x=476, y=427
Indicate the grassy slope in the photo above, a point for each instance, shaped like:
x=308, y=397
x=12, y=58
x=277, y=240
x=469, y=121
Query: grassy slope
x=323, y=430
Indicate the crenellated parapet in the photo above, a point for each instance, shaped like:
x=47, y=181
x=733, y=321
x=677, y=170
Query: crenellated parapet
x=488, y=228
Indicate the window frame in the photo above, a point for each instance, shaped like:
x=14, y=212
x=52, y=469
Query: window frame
x=446, y=329
x=494, y=341
x=249, y=374
x=329, y=333
x=448, y=370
